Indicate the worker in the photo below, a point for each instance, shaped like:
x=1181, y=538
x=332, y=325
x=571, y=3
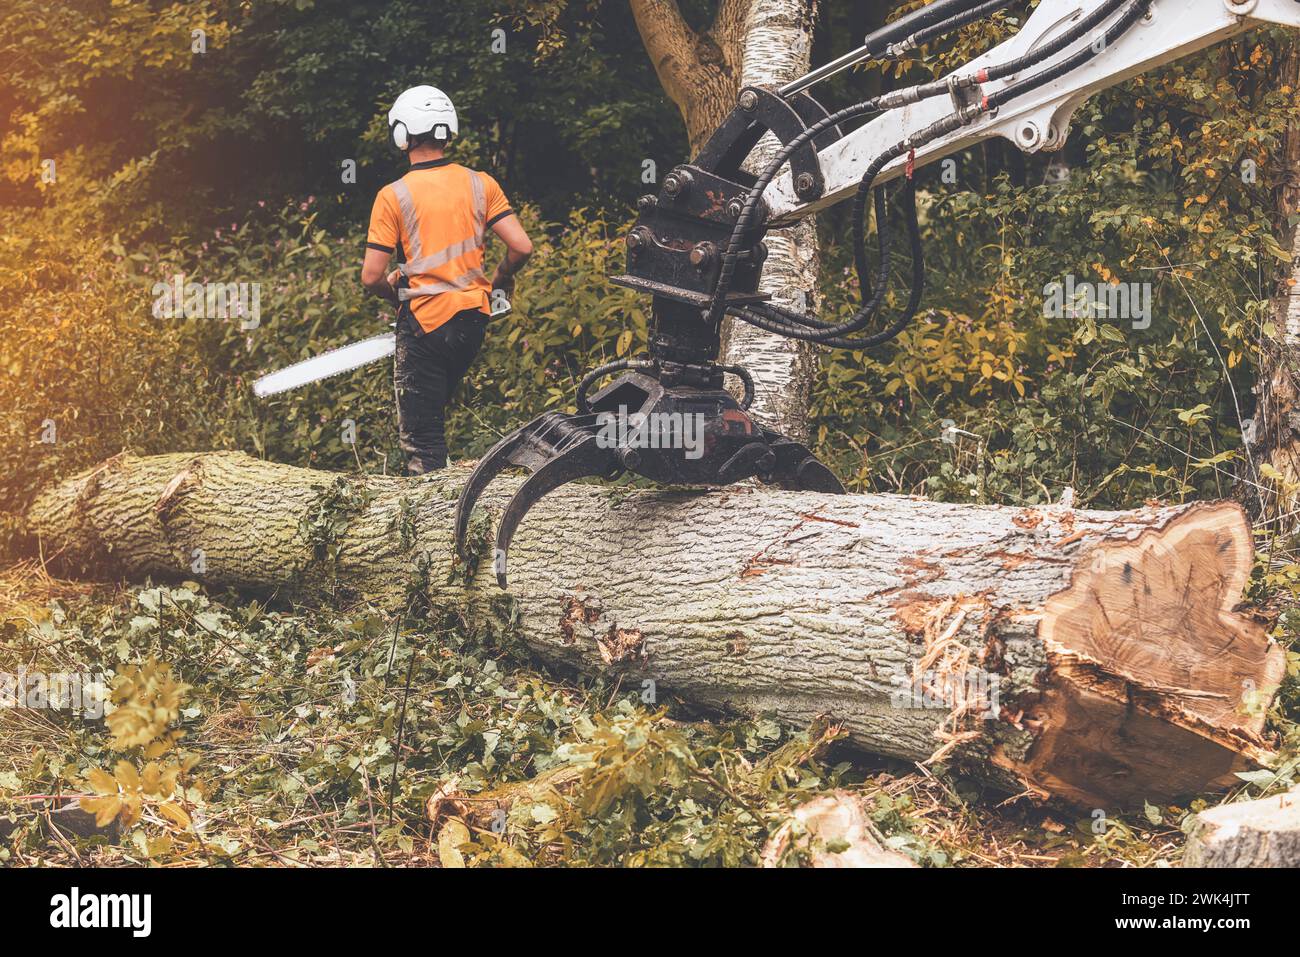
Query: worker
x=435, y=218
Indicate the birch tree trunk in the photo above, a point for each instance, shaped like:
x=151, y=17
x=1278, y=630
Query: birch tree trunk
x=778, y=48
x=1277, y=414
x=1098, y=657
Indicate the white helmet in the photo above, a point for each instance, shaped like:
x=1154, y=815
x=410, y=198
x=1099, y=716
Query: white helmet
x=422, y=109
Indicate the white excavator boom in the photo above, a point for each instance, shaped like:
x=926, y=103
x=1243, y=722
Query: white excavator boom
x=1040, y=119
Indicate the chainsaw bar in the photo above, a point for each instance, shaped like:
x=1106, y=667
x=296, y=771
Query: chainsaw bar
x=343, y=359
x=335, y=362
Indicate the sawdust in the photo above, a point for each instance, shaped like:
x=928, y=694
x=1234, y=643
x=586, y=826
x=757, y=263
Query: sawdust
x=944, y=670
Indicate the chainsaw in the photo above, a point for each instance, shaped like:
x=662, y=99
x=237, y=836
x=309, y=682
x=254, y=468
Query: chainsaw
x=354, y=355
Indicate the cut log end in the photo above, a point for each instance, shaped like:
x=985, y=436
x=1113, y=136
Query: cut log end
x=1157, y=683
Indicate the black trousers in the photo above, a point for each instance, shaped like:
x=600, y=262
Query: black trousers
x=427, y=368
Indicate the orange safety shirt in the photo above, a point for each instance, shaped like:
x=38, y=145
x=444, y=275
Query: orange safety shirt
x=436, y=217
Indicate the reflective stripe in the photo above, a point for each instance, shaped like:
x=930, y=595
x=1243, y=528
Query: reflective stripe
x=441, y=256
x=463, y=281
x=418, y=264
x=412, y=222
x=480, y=204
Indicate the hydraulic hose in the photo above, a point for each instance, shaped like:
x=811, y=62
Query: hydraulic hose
x=881, y=45
x=601, y=371
x=930, y=17
x=1132, y=13
x=799, y=326
x=767, y=317
x=748, y=213
x=924, y=36
x=1056, y=44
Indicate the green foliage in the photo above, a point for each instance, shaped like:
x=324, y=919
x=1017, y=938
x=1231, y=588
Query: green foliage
x=101, y=101
x=294, y=721
x=224, y=167
x=566, y=318
x=142, y=127
x=85, y=371
x=85, y=351
x=301, y=716
x=655, y=795
x=327, y=521
x=984, y=399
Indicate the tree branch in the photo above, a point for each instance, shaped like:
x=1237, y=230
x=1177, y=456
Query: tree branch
x=671, y=44
x=700, y=72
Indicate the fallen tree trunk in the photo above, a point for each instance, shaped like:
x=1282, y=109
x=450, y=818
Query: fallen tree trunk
x=1093, y=656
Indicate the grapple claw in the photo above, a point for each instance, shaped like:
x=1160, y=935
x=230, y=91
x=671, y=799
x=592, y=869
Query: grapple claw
x=813, y=476
x=497, y=459
x=797, y=469
x=672, y=426
x=579, y=460
x=556, y=448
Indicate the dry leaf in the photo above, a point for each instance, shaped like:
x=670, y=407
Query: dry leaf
x=453, y=834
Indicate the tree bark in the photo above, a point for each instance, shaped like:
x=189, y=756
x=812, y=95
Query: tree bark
x=1277, y=413
x=1092, y=656
x=700, y=72
x=1261, y=833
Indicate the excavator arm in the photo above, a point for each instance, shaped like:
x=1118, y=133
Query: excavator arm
x=1167, y=31
x=697, y=247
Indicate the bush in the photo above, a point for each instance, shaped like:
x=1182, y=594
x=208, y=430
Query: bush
x=984, y=398
x=566, y=317
x=1157, y=193
x=87, y=372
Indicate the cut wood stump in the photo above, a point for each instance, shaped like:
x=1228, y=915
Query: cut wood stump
x=1262, y=833
x=1098, y=657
